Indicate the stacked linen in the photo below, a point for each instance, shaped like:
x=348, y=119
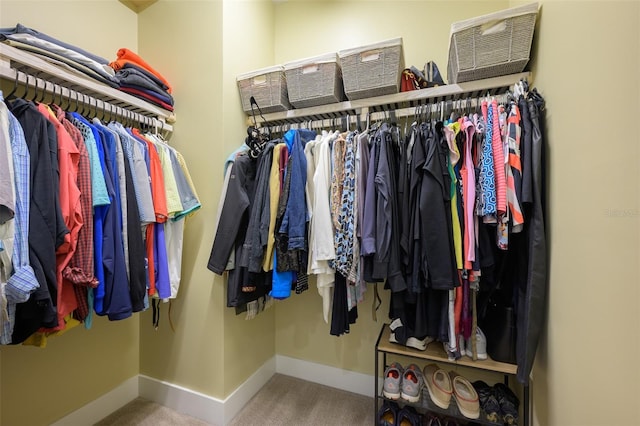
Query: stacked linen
x=59, y=53
x=136, y=77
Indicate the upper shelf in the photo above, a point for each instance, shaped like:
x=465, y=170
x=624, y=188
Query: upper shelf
x=435, y=352
x=12, y=60
x=397, y=101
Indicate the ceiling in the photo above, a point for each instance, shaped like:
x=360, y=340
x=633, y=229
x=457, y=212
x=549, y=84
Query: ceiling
x=138, y=5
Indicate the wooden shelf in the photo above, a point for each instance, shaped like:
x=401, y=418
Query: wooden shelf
x=15, y=62
x=436, y=352
x=395, y=102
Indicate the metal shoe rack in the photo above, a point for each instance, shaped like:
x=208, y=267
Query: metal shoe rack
x=435, y=353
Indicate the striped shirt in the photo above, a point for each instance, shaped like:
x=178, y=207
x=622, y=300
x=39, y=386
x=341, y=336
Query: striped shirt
x=23, y=282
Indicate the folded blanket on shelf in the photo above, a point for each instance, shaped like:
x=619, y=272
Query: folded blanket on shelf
x=21, y=29
x=126, y=56
x=149, y=98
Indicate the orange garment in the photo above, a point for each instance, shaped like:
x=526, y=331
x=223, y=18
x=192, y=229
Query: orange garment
x=158, y=195
x=127, y=56
x=68, y=160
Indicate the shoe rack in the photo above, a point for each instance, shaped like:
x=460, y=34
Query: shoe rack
x=436, y=353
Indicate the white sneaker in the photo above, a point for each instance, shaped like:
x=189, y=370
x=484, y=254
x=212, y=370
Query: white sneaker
x=481, y=345
x=413, y=342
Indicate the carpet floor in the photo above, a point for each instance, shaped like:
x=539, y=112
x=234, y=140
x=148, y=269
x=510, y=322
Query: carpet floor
x=282, y=401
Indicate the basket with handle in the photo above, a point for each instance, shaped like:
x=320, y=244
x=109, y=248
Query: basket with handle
x=314, y=81
x=491, y=45
x=268, y=86
x=372, y=70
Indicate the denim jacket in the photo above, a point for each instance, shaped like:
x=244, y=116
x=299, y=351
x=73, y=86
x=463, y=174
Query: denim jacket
x=296, y=215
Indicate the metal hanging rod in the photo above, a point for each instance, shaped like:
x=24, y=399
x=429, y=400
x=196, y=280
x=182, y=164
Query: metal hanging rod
x=397, y=102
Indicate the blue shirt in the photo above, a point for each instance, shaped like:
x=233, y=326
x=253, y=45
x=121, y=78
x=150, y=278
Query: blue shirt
x=111, y=297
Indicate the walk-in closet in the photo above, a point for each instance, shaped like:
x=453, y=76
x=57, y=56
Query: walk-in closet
x=207, y=304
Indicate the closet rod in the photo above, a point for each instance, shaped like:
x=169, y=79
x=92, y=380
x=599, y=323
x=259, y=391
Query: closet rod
x=69, y=96
x=396, y=101
x=15, y=63
x=428, y=109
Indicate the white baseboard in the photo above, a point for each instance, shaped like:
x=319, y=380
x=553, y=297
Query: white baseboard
x=351, y=381
x=205, y=407
x=243, y=393
x=213, y=410
x=100, y=408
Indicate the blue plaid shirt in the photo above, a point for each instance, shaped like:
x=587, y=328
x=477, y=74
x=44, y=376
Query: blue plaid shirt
x=23, y=282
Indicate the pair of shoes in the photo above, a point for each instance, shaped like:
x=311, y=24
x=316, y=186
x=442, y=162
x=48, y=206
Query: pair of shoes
x=406, y=383
x=498, y=402
x=466, y=347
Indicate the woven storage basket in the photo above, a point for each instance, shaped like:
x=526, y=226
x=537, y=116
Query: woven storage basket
x=372, y=70
x=269, y=88
x=491, y=45
x=314, y=81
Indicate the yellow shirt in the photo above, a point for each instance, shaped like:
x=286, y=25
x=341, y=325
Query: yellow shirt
x=274, y=196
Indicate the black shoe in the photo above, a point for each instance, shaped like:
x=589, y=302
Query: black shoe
x=488, y=401
x=509, y=403
x=388, y=414
x=408, y=416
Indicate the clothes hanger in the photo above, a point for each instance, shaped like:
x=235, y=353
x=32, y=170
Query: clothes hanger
x=15, y=86
x=40, y=95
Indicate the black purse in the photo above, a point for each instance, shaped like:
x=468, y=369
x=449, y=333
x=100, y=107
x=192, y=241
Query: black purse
x=500, y=328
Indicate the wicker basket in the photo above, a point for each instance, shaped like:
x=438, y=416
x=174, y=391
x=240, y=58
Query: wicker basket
x=372, y=70
x=269, y=88
x=314, y=81
x=491, y=45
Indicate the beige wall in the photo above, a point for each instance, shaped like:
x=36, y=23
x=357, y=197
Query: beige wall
x=307, y=28
x=98, y=26
x=81, y=365
x=311, y=27
x=40, y=386
x=213, y=350
x=190, y=58
x=248, y=43
x=587, y=370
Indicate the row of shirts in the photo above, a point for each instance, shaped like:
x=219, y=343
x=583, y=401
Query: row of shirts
x=91, y=220
x=371, y=206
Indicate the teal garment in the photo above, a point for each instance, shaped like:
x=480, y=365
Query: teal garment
x=98, y=185
x=232, y=157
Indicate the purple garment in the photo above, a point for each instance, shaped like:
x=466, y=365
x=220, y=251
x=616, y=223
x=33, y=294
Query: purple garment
x=161, y=263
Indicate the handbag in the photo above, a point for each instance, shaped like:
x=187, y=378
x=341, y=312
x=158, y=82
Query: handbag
x=499, y=326
x=432, y=75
